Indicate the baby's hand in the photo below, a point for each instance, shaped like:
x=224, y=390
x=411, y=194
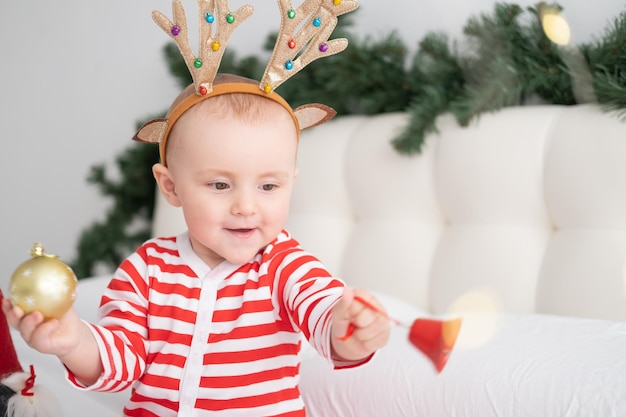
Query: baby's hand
x=56, y=336
x=370, y=329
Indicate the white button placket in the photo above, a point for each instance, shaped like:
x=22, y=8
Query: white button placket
x=192, y=373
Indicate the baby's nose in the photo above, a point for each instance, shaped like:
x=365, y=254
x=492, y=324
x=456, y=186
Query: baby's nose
x=244, y=203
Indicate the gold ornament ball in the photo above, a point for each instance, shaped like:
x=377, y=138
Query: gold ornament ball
x=43, y=283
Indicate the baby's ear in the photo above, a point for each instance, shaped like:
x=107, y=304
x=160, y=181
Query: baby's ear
x=164, y=180
x=310, y=115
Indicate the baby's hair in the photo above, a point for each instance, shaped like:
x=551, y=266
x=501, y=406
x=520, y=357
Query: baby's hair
x=248, y=108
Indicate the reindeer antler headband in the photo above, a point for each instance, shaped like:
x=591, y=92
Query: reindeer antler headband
x=303, y=38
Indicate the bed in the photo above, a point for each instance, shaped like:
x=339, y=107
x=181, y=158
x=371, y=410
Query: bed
x=516, y=224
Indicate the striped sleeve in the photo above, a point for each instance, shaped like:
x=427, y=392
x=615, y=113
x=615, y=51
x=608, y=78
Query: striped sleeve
x=305, y=292
x=308, y=292
x=121, y=332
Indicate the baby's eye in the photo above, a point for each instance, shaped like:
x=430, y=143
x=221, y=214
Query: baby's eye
x=268, y=187
x=219, y=185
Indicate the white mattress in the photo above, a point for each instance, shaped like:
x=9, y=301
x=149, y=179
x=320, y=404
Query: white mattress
x=503, y=366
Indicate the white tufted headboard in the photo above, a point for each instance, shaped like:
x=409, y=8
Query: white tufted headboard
x=525, y=209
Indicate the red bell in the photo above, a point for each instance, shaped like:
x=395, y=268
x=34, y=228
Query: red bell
x=434, y=338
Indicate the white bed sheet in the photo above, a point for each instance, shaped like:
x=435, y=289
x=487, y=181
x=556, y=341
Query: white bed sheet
x=530, y=366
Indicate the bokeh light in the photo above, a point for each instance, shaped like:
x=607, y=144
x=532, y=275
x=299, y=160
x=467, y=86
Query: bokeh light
x=554, y=25
x=479, y=310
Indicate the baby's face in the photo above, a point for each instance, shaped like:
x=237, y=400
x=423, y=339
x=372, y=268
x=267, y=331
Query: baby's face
x=234, y=181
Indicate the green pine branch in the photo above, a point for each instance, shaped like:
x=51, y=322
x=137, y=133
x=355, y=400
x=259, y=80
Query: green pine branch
x=607, y=60
x=128, y=221
x=610, y=88
x=437, y=80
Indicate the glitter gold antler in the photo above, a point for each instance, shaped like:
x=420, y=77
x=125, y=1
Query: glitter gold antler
x=303, y=38
x=309, y=39
x=203, y=67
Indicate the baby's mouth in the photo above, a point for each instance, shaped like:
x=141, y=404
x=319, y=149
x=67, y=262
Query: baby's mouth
x=242, y=232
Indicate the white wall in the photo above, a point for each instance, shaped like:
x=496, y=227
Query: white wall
x=75, y=76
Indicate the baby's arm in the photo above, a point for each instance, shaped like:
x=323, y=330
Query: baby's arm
x=67, y=337
x=371, y=328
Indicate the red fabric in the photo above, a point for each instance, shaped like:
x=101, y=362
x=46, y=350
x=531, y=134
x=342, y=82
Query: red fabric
x=9, y=364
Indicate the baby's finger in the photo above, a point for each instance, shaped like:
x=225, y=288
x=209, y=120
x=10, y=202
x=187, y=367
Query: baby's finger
x=345, y=303
x=366, y=317
x=343, y=314
x=28, y=323
x=6, y=305
x=14, y=314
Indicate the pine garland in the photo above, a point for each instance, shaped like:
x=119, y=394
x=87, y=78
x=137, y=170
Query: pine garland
x=505, y=60
x=607, y=60
x=437, y=79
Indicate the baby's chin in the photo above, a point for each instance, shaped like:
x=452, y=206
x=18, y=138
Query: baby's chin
x=242, y=257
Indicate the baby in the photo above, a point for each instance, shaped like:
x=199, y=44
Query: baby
x=211, y=322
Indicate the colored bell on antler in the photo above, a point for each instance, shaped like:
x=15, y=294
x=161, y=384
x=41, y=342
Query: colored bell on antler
x=43, y=283
x=434, y=338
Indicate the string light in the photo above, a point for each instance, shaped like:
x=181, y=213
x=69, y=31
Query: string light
x=554, y=25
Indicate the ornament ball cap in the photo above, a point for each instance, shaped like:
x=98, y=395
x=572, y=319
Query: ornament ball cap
x=38, y=250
